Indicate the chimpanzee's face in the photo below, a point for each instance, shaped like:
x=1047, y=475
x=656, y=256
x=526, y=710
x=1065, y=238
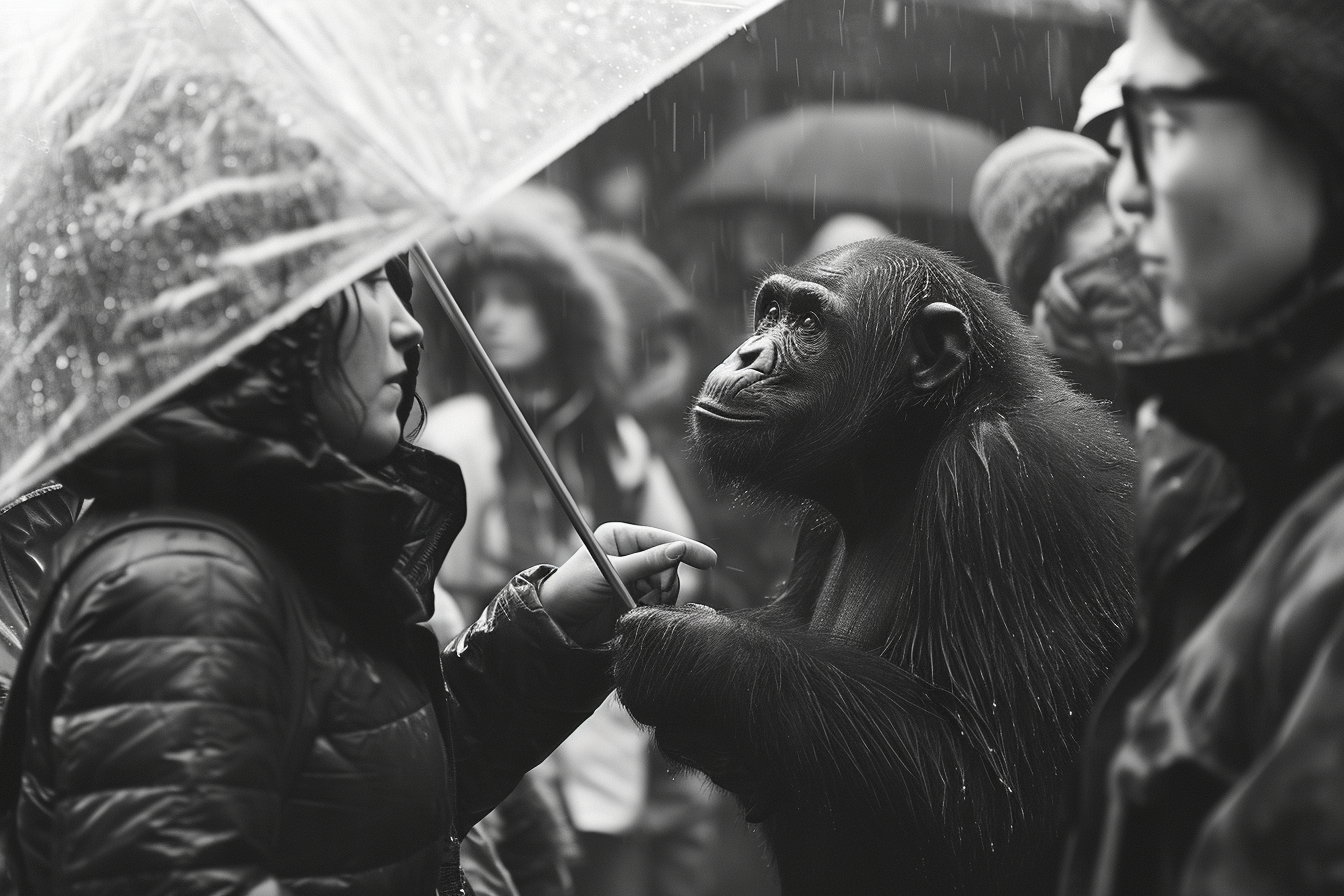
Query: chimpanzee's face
x=836, y=351
x=761, y=401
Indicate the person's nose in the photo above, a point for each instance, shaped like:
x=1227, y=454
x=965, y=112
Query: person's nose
x=1132, y=195
x=486, y=313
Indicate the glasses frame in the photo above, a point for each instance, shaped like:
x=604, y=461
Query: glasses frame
x=1133, y=98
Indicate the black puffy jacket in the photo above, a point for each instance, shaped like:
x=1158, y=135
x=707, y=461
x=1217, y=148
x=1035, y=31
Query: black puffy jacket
x=237, y=696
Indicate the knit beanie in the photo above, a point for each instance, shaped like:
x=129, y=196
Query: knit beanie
x=1288, y=53
x=1025, y=194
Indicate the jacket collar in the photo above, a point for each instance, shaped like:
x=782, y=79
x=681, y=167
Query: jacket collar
x=352, y=531
x=1271, y=400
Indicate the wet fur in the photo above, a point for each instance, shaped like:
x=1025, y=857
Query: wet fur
x=935, y=761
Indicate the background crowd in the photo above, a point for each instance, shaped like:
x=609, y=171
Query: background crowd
x=1165, y=212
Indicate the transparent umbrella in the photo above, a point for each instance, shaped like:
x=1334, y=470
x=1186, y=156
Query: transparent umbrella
x=178, y=178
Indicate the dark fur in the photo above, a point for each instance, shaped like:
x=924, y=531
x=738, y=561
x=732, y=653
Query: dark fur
x=928, y=750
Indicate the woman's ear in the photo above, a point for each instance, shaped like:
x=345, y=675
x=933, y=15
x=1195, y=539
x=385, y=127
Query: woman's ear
x=941, y=342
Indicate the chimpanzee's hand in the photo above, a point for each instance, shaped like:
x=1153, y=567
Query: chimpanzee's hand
x=579, y=599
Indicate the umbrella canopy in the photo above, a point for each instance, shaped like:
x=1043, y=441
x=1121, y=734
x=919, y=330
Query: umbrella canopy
x=886, y=158
x=178, y=178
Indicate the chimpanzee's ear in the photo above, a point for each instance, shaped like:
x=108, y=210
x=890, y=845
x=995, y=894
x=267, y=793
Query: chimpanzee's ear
x=941, y=343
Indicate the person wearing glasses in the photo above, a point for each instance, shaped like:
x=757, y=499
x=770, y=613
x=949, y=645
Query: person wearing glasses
x=1215, y=761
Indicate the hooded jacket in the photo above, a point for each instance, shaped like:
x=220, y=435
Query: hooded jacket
x=1211, y=765
x=163, y=748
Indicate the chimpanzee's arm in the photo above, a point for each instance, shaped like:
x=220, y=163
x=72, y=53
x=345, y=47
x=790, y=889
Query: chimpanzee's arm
x=785, y=717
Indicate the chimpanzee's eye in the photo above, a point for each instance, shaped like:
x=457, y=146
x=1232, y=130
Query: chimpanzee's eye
x=809, y=323
x=770, y=317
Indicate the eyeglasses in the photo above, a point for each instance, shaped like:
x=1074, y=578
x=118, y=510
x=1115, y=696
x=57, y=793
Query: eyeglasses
x=1139, y=102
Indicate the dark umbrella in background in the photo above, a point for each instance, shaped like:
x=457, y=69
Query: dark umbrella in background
x=884, y=158
x=179, y=178
x=1075, y=11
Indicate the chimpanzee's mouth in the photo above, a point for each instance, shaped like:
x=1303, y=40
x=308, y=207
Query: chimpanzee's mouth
x=716, y=412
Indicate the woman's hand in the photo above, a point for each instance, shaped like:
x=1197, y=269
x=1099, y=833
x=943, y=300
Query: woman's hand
x=579, y=599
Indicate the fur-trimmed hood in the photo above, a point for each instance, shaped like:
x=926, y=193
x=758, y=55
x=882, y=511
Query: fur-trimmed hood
x=578, y=304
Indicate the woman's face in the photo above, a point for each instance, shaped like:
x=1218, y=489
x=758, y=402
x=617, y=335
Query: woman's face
x=357, y=401
x=508, y=323
x=1232, y=209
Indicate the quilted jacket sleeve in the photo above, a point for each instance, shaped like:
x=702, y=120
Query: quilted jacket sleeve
x=166, y=697
x=517, y=687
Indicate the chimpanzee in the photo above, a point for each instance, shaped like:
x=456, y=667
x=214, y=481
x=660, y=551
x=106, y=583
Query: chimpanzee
x=904, y=715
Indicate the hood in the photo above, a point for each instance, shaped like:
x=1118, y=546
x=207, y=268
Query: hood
x=246, y=443
x=578, y=303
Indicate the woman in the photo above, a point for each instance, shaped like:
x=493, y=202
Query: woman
x=1213, y=760
x=230, y=691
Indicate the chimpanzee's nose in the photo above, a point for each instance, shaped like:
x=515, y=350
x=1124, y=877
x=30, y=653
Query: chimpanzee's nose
x=757, y=353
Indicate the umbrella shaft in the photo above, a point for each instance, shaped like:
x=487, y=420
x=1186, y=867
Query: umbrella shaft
x=515, y=415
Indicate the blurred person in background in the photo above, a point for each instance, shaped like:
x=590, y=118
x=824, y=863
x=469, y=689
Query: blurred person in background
x=1040, y=205
x=1213, y=761
x=555, y=329
x=1039, y=200
x=1096, y=304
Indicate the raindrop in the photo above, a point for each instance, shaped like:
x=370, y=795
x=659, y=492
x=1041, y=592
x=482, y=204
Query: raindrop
x=37, y=385
x=115, y=245
x=285, y=120
x=30, y=275
x=104, y=358
x=124, y=401
x=110, y=303
x=190, y=88
x=61, y=251
x=34, y=249
x=72, y=228
x=163, y=264
x=62, y=362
